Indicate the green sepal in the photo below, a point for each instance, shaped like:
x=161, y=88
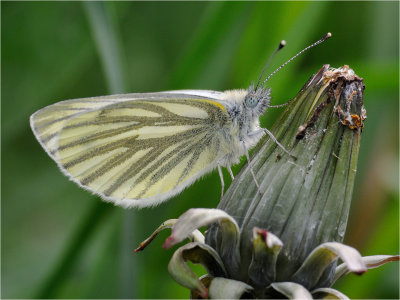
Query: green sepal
x=196, y=253
x=328, y=293
x=197, y=217
x=315, y=264
x=194, y=236
x=373, y=261
x=292, y=290
x=266, y=247
x=222, y=288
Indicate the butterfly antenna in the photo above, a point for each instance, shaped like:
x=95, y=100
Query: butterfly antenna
x=281, y=45
x=323, y=39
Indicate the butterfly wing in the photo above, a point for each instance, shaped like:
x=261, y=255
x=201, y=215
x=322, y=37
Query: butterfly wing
x=134, y=149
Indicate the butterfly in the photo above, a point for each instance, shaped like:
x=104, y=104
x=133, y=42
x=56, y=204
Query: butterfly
x=140, y=149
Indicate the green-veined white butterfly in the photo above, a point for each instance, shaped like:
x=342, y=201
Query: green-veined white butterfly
x=138, y=150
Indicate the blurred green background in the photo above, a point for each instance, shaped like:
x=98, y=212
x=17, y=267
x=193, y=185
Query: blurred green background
x=58, y=241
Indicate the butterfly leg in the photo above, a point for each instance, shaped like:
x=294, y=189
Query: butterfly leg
x=251, y=170
x=279, y=144
x=230, y=172
x=221, y=176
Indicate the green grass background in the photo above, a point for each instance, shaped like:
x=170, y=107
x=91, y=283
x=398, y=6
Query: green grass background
x=59, y=241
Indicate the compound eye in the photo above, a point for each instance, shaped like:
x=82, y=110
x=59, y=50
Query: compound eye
x=251, y=101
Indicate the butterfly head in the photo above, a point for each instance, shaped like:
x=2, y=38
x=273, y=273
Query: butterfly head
x=257, y=100
x=258, y=97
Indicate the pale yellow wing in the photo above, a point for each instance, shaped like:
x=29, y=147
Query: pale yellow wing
x=134, y=152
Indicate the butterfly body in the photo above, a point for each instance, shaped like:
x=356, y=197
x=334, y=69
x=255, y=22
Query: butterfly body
x=138, y=150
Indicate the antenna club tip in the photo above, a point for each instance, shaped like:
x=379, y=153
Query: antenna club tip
x=328, y=35
x=281, y=45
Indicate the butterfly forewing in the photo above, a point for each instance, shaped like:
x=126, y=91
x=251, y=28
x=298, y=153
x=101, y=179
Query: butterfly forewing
x=134, y=152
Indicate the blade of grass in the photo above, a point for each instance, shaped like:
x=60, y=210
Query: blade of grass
x=308, y=18
x=216, y=24
x=107, y=44
x=98, y=211
x=105, y=37
x=102, y=23
x=104, y=267
x=254, y=50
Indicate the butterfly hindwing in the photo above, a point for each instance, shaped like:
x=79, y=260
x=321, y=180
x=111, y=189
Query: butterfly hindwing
x=134, y=151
